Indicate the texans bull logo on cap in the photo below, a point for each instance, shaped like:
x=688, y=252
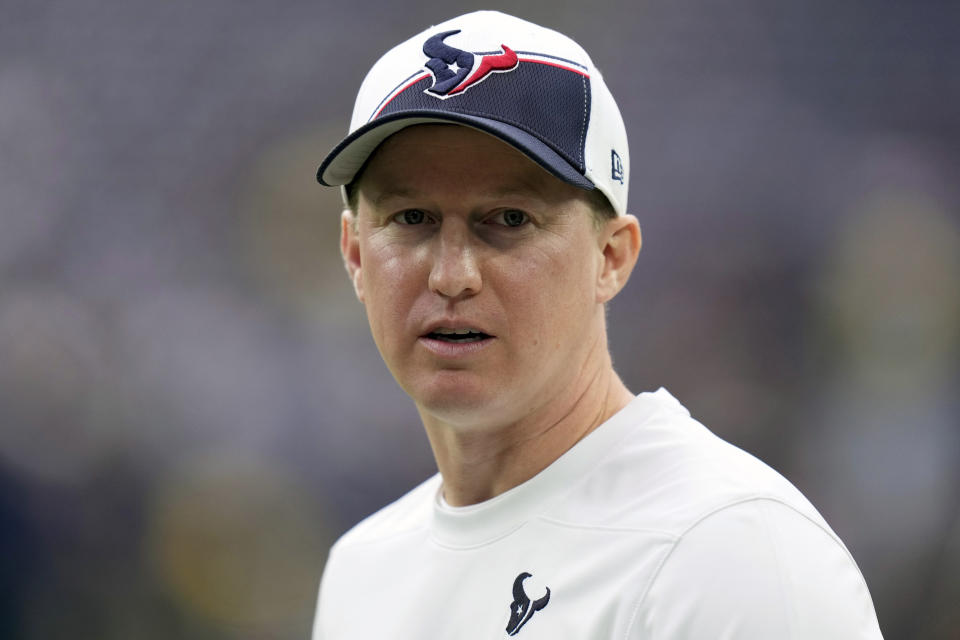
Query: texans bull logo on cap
x=455, y=70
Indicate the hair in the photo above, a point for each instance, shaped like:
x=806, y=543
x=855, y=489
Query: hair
x=600, y=206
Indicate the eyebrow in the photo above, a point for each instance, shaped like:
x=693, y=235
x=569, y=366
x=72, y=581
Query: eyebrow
x=521, y=188
x=394, y=192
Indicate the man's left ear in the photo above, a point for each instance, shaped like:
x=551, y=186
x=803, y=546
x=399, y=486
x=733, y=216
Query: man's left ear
x=620, y=245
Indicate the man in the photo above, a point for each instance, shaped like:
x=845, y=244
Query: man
x=485, y=179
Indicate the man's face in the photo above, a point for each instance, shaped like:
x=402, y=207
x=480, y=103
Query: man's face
x=479, y=273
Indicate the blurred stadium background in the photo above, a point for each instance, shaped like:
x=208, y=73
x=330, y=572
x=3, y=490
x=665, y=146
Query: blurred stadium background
x=191, y=408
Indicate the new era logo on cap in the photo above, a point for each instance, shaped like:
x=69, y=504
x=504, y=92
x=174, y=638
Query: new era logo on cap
x=532, y=87
x=616, y=166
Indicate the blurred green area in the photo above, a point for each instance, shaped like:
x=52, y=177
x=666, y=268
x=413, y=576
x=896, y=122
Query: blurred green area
x=191, y=408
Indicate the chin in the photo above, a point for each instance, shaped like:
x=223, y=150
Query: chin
x=456, y=400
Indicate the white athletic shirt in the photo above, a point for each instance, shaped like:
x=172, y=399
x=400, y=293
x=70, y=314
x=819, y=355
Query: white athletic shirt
x=649, y=528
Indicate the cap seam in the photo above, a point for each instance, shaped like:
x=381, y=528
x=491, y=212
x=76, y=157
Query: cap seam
x=583, y=127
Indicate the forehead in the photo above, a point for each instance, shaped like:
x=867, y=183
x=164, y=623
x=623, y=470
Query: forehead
x=434, y=159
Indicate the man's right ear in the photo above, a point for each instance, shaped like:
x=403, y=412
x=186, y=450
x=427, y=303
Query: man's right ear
x=350, y=250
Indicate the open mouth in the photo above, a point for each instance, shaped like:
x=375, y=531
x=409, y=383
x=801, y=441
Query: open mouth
x=458, y=335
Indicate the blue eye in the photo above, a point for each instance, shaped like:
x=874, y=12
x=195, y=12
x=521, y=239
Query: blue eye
x=411, y=216
x=512, y=218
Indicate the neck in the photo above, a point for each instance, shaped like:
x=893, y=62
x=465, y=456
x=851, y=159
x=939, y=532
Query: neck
x=482, y=462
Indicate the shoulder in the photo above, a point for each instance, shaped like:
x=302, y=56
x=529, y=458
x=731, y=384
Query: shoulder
x=371, y=548
x=759, y=568
x=408, y=514
x=748, y=555
x=668, y=472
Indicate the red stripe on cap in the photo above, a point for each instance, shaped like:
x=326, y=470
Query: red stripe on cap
x=420, y=77
x=555, y=64
x=427, y=74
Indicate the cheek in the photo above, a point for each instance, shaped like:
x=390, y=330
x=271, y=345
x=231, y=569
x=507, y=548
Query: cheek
x=392, y=282
x=551, y=296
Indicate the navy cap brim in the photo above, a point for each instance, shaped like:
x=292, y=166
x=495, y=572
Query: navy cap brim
x=347, y=158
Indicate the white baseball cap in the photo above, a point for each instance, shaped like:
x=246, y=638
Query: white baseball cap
x=534, y=88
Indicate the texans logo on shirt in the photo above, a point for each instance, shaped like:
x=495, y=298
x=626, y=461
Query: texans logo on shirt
x=522, y=608
x=455, y=70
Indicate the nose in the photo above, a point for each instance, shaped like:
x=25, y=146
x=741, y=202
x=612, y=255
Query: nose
x=454, y=272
